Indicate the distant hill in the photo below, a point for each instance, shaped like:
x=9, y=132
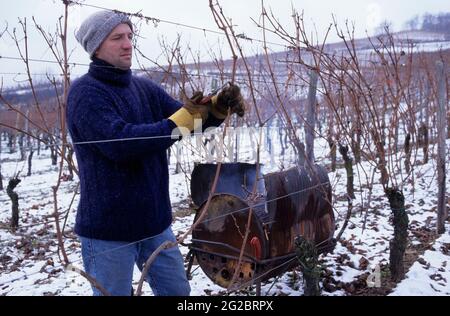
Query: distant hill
x=418, y=40
x=22, y=95
x=432, y=23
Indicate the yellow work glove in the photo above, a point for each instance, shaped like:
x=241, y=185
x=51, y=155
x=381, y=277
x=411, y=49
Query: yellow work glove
x=192, y=114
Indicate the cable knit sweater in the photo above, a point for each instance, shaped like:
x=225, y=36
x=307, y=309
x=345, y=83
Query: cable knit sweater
x=124, y=184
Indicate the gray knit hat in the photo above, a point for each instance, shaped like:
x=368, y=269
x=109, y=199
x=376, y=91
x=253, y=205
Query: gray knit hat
x=97, y=27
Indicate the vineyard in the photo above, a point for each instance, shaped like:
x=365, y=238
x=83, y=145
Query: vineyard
x=374, y=112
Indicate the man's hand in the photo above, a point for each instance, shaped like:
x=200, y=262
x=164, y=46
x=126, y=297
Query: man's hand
x=195, y=108
x=229, y=98
x=193, y=114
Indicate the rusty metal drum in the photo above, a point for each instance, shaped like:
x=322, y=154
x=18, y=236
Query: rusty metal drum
x=276, y=207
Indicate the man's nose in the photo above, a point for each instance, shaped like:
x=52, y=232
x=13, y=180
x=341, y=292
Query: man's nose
x=127, y=44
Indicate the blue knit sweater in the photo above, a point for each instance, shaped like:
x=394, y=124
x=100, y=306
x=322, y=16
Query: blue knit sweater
x=124, y=184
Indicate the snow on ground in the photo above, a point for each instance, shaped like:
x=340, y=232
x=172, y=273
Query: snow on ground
x=432, y=47
x=430, y=274
x=29, y=262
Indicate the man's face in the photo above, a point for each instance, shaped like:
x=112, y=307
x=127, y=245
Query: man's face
x=117, y=48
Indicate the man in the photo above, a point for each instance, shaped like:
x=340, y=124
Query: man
x=121, y=126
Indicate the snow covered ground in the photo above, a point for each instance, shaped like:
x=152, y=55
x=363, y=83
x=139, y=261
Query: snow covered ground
x=29, y=264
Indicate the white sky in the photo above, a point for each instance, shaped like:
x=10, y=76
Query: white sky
x=366, y=14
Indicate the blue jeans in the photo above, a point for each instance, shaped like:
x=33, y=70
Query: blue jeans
x=112, y=267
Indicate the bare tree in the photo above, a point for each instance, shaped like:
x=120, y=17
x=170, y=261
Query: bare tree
x=442, y=204
x=384, y=27
x=413, y=23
